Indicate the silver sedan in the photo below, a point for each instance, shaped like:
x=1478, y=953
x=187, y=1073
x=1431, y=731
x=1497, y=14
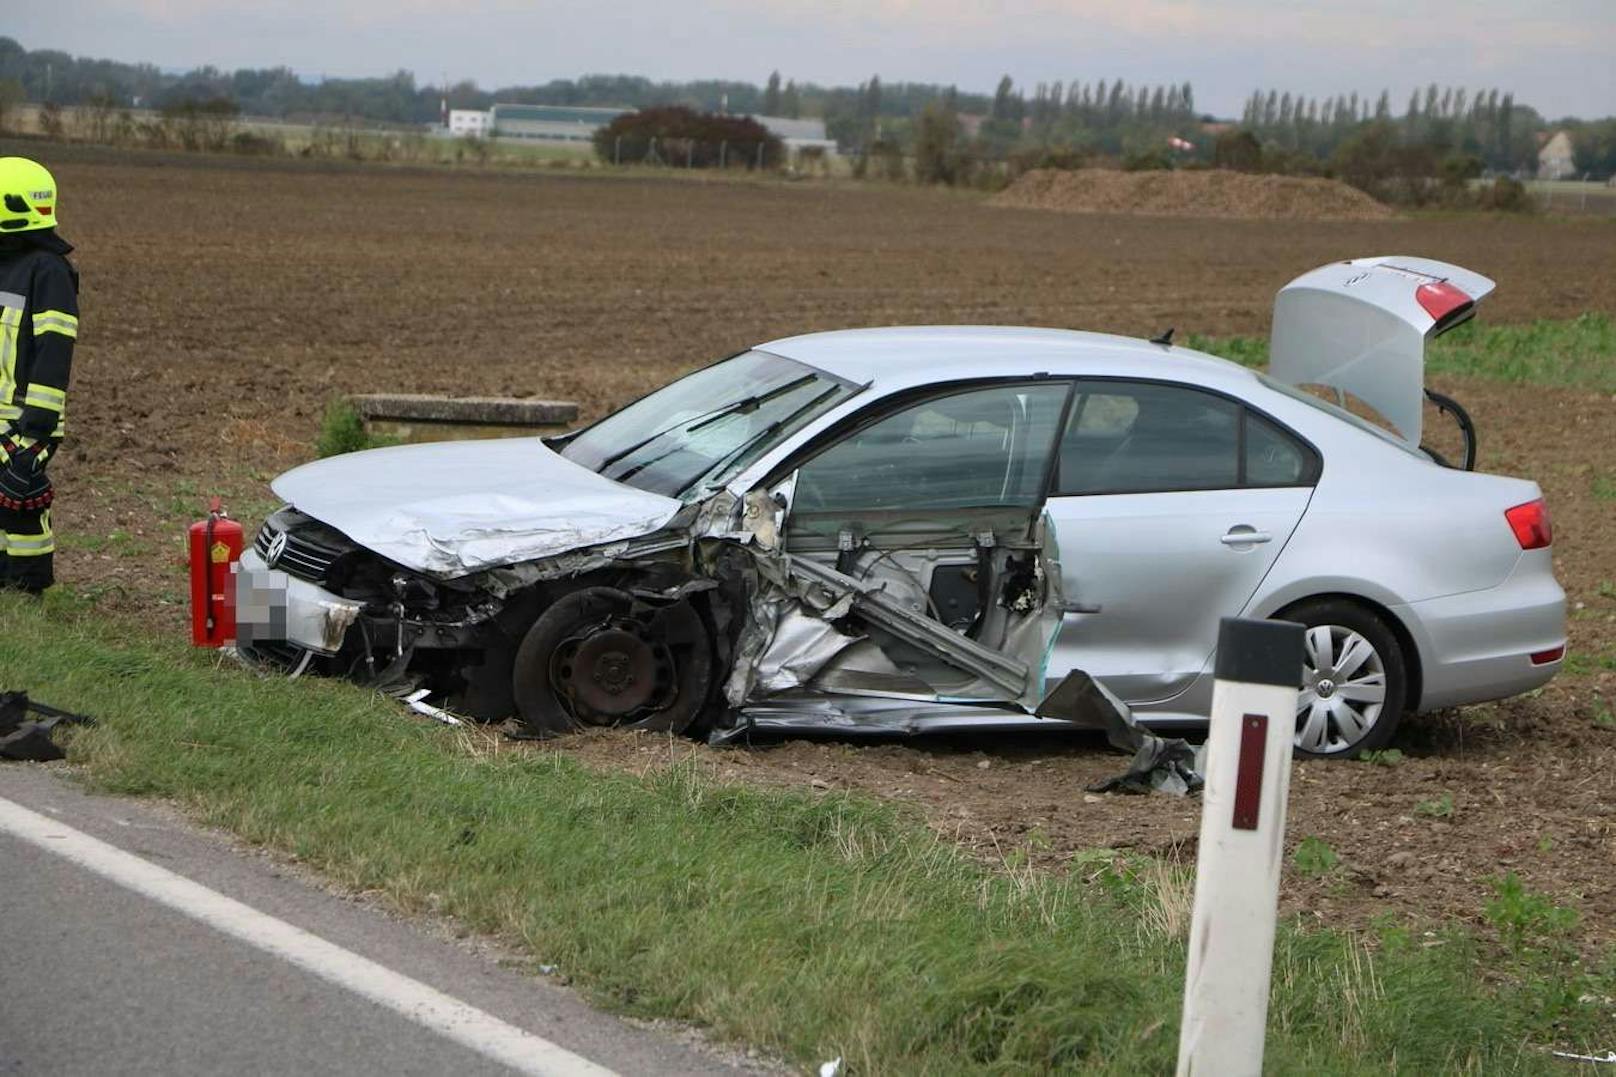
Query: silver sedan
x=911, y=529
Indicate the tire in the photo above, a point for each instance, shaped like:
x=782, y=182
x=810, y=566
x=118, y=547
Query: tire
x=598, y=657
x=1352, y=701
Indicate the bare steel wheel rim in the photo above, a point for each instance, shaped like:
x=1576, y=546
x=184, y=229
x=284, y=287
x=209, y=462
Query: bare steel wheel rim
x=1343, y=690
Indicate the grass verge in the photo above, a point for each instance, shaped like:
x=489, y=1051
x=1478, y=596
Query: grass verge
x=1569, y=352
x=813, y=925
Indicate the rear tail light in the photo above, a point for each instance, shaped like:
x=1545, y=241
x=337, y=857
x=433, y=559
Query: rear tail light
x=1530, y=522
x=1447, y=305
x=1553, y=654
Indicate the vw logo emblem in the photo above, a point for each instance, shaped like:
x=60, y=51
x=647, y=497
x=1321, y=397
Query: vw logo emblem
x=277, y=547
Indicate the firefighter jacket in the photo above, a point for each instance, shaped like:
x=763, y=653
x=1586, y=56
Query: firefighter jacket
x=39, y=321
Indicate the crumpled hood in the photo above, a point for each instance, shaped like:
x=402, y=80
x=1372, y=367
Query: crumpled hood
x=454, y=507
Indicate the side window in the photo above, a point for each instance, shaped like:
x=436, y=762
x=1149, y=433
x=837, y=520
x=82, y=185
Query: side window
x=1273, y=457
x=983, y=447
x=1135, y=437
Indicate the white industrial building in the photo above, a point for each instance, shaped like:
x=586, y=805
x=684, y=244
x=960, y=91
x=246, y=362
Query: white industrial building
x=798, y=134
x=468, y=123
x=569, y=123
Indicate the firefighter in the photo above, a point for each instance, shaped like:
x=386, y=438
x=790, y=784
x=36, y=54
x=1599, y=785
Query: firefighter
x=38, y=324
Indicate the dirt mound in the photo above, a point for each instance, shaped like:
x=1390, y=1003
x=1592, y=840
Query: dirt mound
x=1191, y=194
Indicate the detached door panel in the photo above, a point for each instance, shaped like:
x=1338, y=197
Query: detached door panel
x=1170, y=506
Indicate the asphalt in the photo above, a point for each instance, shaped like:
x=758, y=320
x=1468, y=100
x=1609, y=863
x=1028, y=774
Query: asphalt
x=96, y=979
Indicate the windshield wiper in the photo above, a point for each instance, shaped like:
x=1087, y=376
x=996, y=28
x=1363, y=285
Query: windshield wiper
x=770, y=431
x=745, y=404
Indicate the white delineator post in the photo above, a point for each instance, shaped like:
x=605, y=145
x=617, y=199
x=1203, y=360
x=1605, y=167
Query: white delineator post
x=1248, y=777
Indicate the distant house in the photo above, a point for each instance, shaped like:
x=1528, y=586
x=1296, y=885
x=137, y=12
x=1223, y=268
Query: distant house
x=468, y=123
x=1555, y=160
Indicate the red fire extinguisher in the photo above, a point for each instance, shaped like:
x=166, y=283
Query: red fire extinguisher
x=215, y=548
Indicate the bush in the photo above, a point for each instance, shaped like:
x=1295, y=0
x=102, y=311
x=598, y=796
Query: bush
x=342, y=430
x=253, y=145
x=1238, y=151
x=1151, y=160
x=937, y=156
x=1504, y=194
x=672, y=134
x=1064, y=158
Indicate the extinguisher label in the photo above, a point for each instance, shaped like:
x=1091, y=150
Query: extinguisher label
x=221, y=553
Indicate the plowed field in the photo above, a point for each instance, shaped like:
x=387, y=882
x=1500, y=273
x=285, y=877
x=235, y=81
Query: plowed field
x=226, y=302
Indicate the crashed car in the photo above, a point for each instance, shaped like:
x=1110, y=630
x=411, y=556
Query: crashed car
x=940, y=528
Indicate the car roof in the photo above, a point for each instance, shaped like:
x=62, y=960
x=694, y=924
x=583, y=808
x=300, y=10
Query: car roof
x=899, y=356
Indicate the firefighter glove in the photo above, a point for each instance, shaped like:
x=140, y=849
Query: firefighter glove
x=24, y=486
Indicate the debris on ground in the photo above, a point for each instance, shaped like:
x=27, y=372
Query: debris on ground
x=30, y=741
x=1208, y=193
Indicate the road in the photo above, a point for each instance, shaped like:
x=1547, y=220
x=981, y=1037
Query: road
x=174, y=952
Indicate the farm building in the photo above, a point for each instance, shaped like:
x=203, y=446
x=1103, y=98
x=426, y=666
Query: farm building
x=554, y=123
x=798, y=134
x=1555, y=160
x=468, y=123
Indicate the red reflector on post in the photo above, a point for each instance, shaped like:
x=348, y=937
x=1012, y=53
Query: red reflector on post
x=1531, y=524
x=1248, y=774
x=1440, y=299
x=1553, y=654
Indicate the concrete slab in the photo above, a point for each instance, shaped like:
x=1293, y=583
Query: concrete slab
x=476, y=410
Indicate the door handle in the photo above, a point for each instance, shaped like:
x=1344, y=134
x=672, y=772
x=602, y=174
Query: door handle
x=1245, y=536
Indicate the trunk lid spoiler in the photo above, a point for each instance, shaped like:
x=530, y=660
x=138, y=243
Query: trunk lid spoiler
x=1359, y=327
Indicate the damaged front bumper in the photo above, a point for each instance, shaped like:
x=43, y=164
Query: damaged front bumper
x=275, y=607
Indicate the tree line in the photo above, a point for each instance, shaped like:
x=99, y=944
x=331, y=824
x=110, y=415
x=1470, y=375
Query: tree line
x=1074, y=120
x=1486, y=124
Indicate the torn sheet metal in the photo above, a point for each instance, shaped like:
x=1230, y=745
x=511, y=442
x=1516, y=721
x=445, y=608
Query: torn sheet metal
x=801, y=645
x=1006, y=671
x=1160, y=764
x=455, y=507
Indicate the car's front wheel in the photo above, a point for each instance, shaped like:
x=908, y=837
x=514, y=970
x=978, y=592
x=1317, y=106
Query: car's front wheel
x=1354, y=682
x=598, y=656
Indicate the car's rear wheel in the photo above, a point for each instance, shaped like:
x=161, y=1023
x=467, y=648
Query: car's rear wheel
x=1355, y=680
x=599, y=657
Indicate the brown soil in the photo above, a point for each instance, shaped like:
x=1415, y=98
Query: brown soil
x=225, y=302
x=1191, y=194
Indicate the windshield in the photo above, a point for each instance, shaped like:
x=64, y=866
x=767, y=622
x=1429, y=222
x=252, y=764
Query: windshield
x=701, y=430
x=1339, y=412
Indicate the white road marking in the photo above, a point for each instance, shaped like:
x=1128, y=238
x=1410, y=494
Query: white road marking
x=443, y=1014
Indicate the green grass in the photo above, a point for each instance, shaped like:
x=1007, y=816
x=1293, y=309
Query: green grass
x=814, y=925
x=1314, y=857
x=1575, y=352
x=1438, y=807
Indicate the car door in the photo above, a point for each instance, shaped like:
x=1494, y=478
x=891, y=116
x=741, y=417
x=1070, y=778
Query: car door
x=1171, y=503
x=930, y=509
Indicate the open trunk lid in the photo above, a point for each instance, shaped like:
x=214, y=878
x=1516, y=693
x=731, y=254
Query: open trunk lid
x=1359, y=328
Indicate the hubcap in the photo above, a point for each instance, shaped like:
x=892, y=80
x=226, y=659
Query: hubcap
x=1343, y=690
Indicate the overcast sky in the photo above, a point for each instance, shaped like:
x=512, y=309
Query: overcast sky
x=1557, y=55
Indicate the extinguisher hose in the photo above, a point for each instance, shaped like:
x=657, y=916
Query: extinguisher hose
x=207, y=571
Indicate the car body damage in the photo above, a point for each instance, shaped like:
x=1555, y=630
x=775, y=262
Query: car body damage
x=454, y=507
x=939, y=528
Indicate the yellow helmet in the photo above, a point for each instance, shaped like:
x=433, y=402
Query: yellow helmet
x=27, y=196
